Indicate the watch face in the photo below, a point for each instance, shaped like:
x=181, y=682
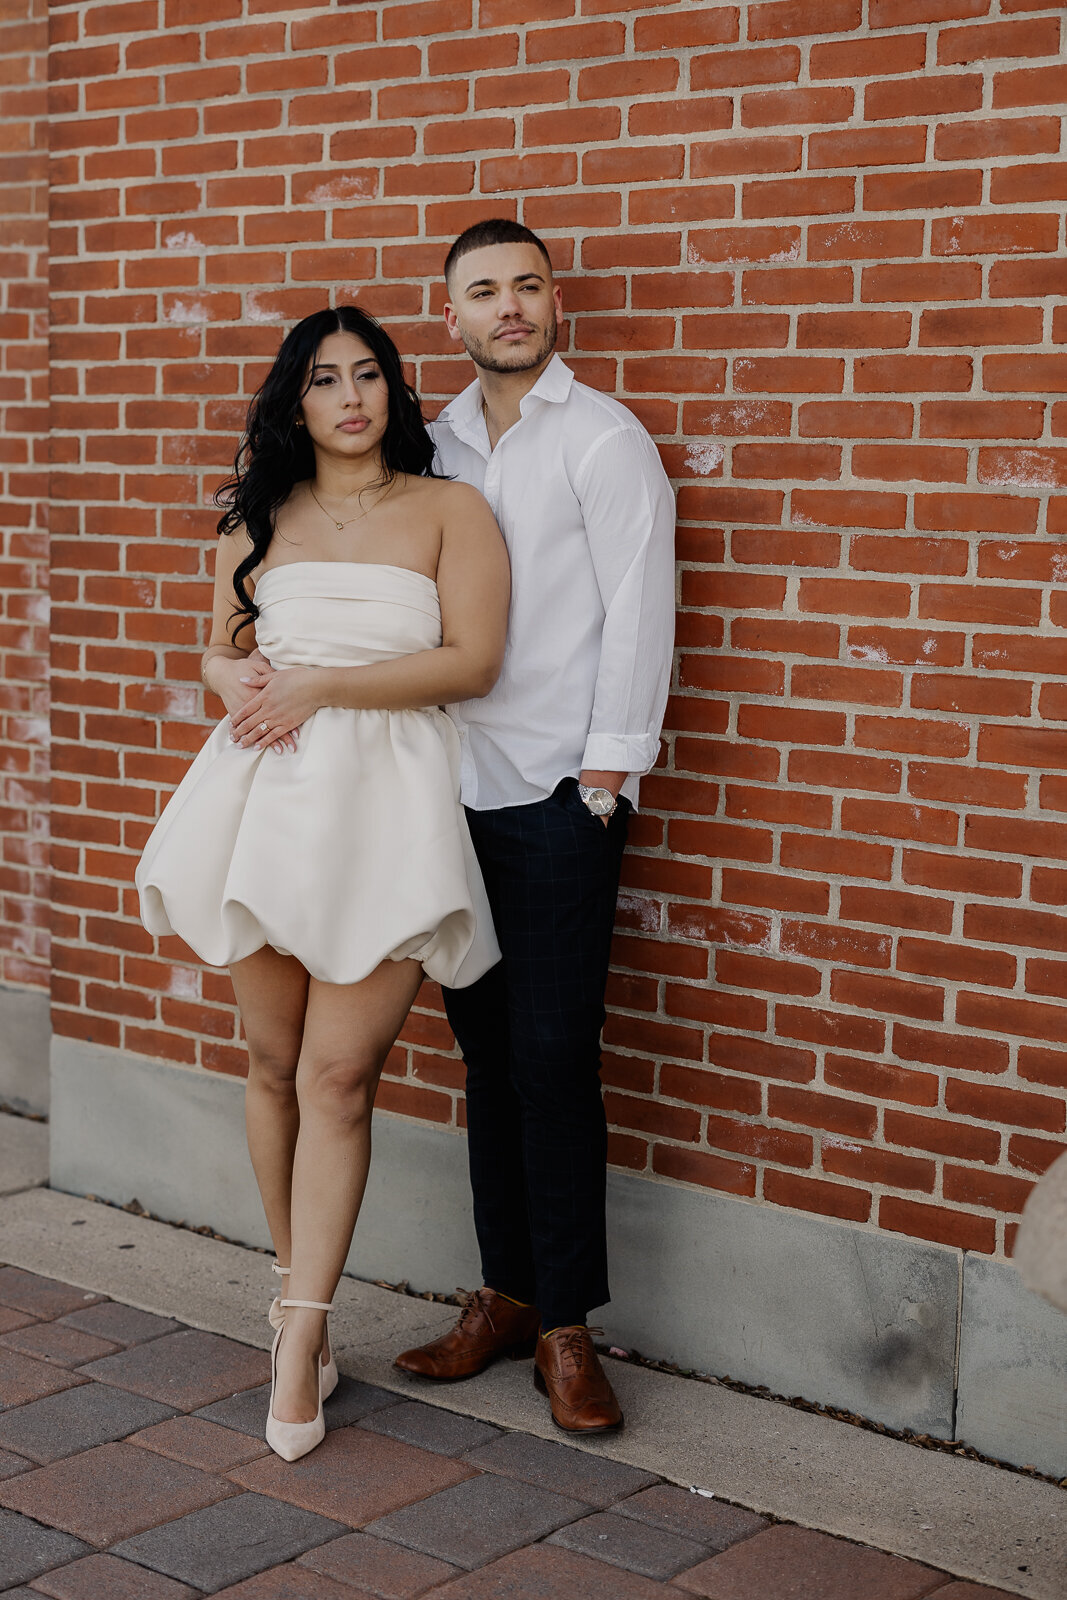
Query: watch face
x=599, y=801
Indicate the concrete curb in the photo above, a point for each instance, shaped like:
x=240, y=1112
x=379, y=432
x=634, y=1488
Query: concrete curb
x=975, y=1521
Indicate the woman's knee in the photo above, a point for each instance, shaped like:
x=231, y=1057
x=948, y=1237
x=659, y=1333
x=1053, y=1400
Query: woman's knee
x=272, y=1068
x=342, y=1087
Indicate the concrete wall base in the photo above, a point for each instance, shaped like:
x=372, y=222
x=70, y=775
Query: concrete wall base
x=863, y=1321
x=25, y=1031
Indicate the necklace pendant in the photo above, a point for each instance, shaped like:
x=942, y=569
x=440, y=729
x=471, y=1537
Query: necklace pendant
x=339, y=526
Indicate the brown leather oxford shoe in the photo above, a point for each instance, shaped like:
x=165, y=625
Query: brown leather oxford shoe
x=567, y=1369
x=489, y=1327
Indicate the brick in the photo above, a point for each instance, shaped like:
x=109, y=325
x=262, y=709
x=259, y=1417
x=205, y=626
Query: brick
x=809, y=1194
x=999, y=136
x=727, y=68
x=41, y=1297
x=227, y=1542
x=992, y=234
x=635, y=1546
x=30, y=1550
x=360, y=1560
x=77, y=1419
x=478, y=1520
x=547, y=1570
x=960, y=1229
x=708, y=1171
x=392, y=1474
x=110, y=1492
x=599, y=1482
x=996, y=40
x=106, y=1574
x=185, y=1369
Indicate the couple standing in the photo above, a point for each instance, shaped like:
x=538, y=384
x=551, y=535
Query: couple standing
x=317, y=845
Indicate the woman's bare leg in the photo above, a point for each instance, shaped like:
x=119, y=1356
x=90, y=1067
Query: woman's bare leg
x=272, y=992
x=348, y=1032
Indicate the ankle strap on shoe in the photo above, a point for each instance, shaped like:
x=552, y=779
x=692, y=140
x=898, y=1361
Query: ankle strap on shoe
x=283, y=1272
x=310, y=1305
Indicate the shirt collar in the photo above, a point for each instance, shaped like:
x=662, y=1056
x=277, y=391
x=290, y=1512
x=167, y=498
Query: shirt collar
x=464, y=413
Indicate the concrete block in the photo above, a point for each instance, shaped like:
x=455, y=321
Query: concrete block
x=804, y=1305
x=125, y=1127
x=25, y=1030
x=23, y=1153
x=862, y=1321
x=1013, y=1370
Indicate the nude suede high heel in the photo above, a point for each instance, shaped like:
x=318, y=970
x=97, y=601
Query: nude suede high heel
x=291, y=1440
x=276, y=1318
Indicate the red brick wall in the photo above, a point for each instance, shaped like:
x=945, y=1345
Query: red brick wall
x=817, y=247
x=23, y=495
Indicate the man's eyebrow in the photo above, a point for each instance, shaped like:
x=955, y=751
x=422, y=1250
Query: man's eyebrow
x=490, y=283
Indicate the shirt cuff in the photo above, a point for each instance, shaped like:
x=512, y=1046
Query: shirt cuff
x=620, y=752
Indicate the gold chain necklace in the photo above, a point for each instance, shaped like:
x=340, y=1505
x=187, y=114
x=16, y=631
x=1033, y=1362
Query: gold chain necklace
x=340, y=526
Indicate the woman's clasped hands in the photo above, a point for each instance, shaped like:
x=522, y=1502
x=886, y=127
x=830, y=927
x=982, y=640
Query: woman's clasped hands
x=279, y=701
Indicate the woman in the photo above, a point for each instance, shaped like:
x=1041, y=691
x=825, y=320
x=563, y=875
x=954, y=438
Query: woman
x=317, y=846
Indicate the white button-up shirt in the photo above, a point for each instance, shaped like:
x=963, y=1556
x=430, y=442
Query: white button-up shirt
x=587, y=513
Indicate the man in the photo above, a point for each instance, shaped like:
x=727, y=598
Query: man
x=551, y=760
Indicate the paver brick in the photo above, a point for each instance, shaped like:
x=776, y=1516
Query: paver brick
x=447, y=1433
x=187, y=1369
x=713, y=1523
x=477, y=1521
x=107, y=1577
x=23, y=1379
x=290, y=1582
x=27, y=1549
x=545, y=1572
x=41, y=1297
x=51, y=1341
x=10, y=1318
x=807, y=1566
x=353, y=1476
x=968, y=1591
x=111, y=1492
x=200, y=1443
x=375, y=1565
x=11, y=1464
x=595, y=1479
x=637, y=1546
x=121, y=1325
x=229, y=1541
x=247, y=1412
x=77, y=1419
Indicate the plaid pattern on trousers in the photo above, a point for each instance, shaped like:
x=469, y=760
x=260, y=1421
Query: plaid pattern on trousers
x=529, y=1031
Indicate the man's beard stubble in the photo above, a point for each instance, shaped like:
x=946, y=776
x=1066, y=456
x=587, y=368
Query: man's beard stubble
x=483, y=352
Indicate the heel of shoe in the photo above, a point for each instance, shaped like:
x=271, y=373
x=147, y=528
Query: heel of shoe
x=291, y=1440
x=523, y=1350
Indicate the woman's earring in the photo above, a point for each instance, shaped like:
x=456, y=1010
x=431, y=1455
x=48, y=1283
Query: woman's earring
x=299, y=422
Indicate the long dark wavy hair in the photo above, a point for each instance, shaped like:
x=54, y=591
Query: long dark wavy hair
x=275, y=454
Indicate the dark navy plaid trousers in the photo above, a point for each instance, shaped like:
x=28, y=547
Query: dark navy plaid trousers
x=529, y=1031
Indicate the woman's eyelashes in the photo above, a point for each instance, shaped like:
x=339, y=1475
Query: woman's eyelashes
x=329, y=377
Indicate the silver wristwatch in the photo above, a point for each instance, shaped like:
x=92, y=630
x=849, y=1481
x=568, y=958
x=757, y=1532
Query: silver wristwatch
x=601, y=802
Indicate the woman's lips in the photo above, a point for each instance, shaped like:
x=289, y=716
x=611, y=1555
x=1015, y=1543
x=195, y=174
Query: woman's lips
x=354, y=425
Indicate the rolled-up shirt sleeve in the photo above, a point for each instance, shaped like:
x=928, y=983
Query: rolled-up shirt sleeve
x=628, y=510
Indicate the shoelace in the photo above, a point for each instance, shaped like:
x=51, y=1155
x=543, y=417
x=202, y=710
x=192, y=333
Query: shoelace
x=573, y=1348
x=471, y=1306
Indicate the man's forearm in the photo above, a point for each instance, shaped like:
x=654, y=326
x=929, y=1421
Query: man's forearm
x=603, y=780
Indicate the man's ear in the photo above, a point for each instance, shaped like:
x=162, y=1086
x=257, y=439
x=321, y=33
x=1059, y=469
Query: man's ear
x=452, y=323
x=557, y=301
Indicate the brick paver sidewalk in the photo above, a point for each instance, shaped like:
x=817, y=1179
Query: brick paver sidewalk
x=132, y=1467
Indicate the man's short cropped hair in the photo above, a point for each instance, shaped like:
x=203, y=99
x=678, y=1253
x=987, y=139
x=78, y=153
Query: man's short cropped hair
x=495, y=230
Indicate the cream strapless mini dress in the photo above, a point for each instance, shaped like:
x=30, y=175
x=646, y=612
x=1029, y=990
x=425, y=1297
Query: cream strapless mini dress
x=351, y=851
